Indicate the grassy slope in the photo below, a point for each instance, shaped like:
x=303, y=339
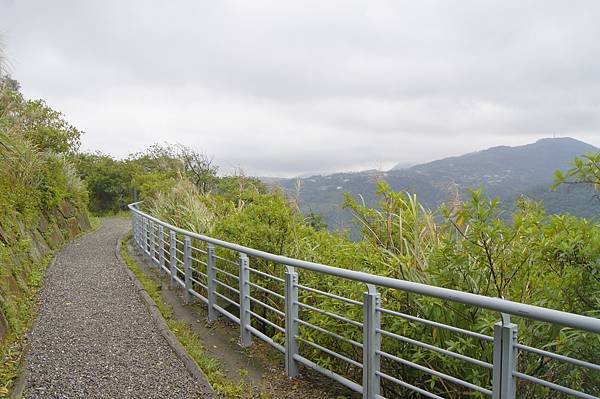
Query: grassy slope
x=24, y=310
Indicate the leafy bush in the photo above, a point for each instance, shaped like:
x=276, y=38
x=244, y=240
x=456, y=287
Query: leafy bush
x=35, y=146
x=550, y=261
x=114, y=183
x=108, y=181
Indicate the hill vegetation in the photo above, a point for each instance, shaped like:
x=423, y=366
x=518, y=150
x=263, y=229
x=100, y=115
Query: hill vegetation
x=42, y=205
x=503, y=172
x=468, y=245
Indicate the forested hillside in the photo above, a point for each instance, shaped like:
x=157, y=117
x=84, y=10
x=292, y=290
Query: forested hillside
x=503, y=172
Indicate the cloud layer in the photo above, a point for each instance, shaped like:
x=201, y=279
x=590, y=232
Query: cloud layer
x=283, y=88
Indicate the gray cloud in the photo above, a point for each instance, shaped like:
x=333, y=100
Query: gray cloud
x=292, y=87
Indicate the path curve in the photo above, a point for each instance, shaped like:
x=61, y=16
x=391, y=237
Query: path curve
x=93, y=337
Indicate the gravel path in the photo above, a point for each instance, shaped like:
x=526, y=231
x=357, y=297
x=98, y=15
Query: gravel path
x=94, y=338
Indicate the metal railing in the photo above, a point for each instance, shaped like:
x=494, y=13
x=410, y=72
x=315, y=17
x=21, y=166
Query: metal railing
x=206, y=269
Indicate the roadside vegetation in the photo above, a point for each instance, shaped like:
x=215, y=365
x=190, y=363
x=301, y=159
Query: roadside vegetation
x=22, y=316
x=38, y=187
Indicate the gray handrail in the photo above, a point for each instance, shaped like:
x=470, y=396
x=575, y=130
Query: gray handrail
x=566, y=319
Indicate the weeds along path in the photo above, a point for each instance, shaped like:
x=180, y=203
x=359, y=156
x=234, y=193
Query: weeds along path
x=94, y=337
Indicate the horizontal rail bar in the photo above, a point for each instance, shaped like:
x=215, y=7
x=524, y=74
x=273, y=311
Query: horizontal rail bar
x=341, y=298
x=199, y=261
x=226, y=260
x=199, y=283
x=436, y=349
x=271, y=308
x=332, y=315
x=198, y=249
x=266, y=338
x=324, y=331
x=267, y=275
x=444, y=376
x=226, y=299
x=330, y=352
x=227, y=314
x=500, y=305
x=439, y=325
x=268, y=291
x=227, y=273
x=199, y=296
x=269, y=322
x=179, y=281
x=334, y=376
x=541, y=352
x=179, y=270
x=199, y=272
x=227, y=286
x=408, y=386
x=553, y=386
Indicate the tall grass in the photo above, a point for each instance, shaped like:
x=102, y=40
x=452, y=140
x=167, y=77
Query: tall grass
x=182, y=207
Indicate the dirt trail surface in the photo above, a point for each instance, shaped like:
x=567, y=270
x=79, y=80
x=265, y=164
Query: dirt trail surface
x=94, y=337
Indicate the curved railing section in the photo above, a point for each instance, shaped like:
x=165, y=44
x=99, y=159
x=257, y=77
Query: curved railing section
x=220, y=274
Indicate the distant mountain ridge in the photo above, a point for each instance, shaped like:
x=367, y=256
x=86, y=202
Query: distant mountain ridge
x=403, y=165
x=504, y=172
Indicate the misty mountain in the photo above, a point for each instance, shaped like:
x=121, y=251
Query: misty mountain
x=504, y=172
x=403, y=165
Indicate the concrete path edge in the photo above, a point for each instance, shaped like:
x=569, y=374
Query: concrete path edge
x=161, y=324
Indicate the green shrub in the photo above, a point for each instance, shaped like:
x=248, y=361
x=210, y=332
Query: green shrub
x=544, y=260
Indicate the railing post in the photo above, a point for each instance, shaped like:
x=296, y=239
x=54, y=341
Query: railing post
x=152, y=243
x=147, y=237
x=505, y=359
x=139, y=231
x=211, y=276
x=245, y=335
x=144, y=236
x=173, y=254
x=371, y=342
x=161, y=248
x=291, y=325
x=187, y=267
x=136, y=228
x=133, y=229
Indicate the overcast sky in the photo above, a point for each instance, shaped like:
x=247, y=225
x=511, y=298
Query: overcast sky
x=286, y=88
